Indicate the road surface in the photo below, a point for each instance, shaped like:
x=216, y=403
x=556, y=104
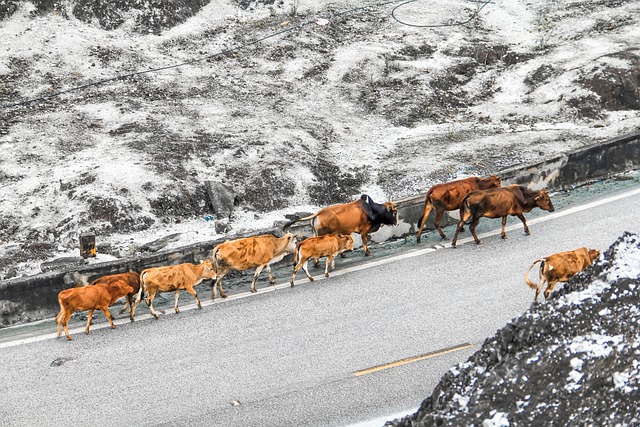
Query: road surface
x=371, y=340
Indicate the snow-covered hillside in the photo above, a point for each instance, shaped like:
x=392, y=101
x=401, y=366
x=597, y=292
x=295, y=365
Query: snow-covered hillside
x=294, y=104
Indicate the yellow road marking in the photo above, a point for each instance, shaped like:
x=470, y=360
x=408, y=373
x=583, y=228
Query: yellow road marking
x=412, y=359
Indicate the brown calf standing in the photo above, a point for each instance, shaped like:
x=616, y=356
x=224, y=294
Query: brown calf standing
x=89, y=298
x=172, y=278
x=560, y=267
x=131, y=278
x=250, y=252
x=448, y=196
x=317, y=247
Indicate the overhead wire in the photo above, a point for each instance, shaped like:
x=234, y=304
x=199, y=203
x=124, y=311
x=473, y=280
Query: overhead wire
x=238, y=48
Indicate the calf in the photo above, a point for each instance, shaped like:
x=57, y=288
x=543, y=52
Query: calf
x=500, y=203
x=131, y=278
x=90, y=298
x=560, y=267
x=173, y=278
x=448, y=196
x=250, y=252
x=317, y=247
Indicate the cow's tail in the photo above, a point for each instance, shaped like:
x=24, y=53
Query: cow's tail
x=143, y=286
x=214, y=259
x=526, y=275
x=296, y=255
x=290, y=223
x=466, y=214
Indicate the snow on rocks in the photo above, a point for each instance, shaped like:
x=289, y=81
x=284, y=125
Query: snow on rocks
x=566, y=361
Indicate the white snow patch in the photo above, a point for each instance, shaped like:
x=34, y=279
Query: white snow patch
x=499, y=419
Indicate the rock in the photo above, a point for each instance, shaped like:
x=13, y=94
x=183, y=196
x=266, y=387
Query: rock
x=158, y=244
x=222, y=198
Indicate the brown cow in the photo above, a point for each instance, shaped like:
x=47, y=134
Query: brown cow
x=89, y=298
x=250, y=252
x=362, y=216
x=328, y=246
x=448, y=196
x=500, y=203
x=173, y=278
x=131, y=278
x=560, y=267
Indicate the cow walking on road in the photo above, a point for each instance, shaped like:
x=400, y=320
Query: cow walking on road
x=172, y=278
x=317, y=247
x=250, y=252
x=90, y=298
x=448, y=197
x=131, y=278
x=560, y=267
x=499, y=203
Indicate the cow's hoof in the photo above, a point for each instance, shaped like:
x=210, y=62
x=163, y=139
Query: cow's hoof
x=69, y=339
x=311, y=279
x=223, y=296
x=177, y=311
x=326, y=275
x=367, y=253
x=253, y=291
x=292, y=285
x=504, y=237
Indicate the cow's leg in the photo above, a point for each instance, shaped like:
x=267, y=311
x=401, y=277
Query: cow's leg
x=425, y=214
x=149, y=301
x=295, y=271
x=127, y=305
x=89, y=318
x=137, y=301
x=364, y=244
x=108, y=315
x=222, y=294
x=326, y=267
x=472, y=228
x=304, y=268
x=175, y=305
x=271, y=279
x=458, y=230
x=524, y=222
x=65, y=323
x=195, y=295
x=59, y=318
x=503, y=233
x=255, y=278
x=550, y=285
x=439, y=214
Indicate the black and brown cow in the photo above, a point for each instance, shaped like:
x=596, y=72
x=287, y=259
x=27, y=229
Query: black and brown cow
x=362, y=216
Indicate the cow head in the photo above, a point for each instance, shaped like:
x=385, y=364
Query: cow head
x=123, y=287
x=543, y=201
x=390, y=216
x=345, y=242
x=292, y=241
x=208, y=272
x=593, y=254
x=493, y=181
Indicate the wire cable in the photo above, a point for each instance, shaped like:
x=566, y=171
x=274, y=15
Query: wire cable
x=452, y=24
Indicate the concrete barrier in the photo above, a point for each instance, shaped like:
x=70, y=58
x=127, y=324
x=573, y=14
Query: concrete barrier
x=33, y=298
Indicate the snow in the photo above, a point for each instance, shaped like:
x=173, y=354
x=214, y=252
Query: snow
x=49, y=148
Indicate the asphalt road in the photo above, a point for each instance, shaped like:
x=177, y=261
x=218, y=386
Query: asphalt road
x=291, y=356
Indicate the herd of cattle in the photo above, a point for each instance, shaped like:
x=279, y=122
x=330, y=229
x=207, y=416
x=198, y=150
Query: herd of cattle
x=332, y=226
